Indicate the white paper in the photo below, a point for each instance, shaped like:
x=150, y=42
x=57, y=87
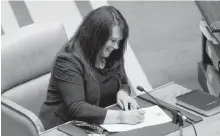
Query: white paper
x=153, y=116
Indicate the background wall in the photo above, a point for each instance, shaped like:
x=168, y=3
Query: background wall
x=164, y=36
x=166, y=39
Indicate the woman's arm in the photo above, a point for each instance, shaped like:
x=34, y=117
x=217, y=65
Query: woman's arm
x=124, y=117
x=123, y=79
x=68, y=77
x=123, y=96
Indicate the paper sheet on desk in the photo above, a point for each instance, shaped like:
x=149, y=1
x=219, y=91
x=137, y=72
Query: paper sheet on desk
x=153, y=115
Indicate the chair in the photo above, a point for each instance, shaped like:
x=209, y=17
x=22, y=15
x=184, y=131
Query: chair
x=27, y=57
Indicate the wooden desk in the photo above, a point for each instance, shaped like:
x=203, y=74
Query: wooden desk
x=210, y=126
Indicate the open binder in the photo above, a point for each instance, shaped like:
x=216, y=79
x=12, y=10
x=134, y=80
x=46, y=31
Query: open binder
x=210, y=12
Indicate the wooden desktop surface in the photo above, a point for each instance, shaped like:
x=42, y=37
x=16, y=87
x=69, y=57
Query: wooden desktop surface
x=210, y=126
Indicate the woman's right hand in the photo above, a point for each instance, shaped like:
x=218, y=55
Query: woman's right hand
x=132, y=116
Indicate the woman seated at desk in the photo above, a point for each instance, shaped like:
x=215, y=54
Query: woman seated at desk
x=88, y=74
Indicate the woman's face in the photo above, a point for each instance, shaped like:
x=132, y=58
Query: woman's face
x=113, y=42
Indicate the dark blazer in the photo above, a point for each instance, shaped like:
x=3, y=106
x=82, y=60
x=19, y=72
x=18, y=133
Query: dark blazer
x=73, y=92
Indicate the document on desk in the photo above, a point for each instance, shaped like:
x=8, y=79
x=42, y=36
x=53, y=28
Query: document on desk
x=153, y=116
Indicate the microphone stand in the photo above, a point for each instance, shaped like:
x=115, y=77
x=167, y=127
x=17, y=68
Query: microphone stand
x=177, y=119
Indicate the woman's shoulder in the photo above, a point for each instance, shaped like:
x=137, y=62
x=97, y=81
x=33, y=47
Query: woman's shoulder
x=71, y=56
x=72, y=59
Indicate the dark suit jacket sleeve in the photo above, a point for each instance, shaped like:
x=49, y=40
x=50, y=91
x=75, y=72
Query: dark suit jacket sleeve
x=123, y=78
x=69, y=78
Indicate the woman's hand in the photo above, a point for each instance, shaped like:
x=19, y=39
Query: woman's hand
x=132, y=116
x=125, y=101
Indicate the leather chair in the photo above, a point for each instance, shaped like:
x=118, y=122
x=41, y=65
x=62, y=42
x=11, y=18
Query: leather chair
x=27, y=57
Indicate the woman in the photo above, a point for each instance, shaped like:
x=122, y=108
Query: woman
x=88, y=74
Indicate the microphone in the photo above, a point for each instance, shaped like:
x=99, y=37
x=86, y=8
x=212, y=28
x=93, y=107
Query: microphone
x=174, y=112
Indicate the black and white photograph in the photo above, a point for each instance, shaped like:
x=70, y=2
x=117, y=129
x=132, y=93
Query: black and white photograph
x=110, y=68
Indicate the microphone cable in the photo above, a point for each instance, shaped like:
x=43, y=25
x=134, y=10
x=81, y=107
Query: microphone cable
x=193, y=127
